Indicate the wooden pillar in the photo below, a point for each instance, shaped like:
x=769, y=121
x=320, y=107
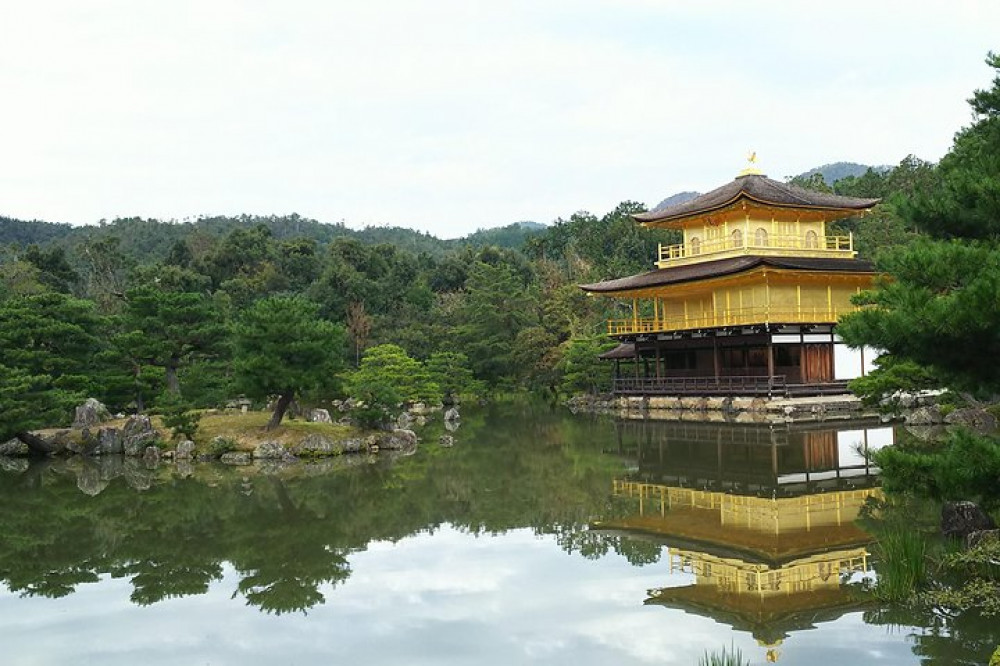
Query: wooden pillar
x=770, y=364
x=635, y=349
x=657, y=361
x=715, y=355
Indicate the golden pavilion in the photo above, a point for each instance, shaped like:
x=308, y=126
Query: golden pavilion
x=748, y=303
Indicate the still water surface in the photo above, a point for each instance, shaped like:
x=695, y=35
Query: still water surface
x=541, y=537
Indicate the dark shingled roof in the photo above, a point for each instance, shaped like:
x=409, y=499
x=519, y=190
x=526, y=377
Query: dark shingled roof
x=624, y=350
x=722, y=267
x=760, y=189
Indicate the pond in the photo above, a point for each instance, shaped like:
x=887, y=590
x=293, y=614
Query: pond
x=540, y=537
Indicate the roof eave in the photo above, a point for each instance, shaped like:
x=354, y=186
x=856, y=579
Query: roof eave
x=646, y=219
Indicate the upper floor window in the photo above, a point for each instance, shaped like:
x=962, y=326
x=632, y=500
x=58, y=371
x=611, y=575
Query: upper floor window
x=737, y=237
x=695, y=245
x=760, y=237
x=812, y=240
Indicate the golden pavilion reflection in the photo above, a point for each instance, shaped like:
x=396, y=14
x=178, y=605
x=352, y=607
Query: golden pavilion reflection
x=762, y=523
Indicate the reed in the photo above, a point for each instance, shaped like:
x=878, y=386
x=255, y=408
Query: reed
x=902, y=565
x=731, y=656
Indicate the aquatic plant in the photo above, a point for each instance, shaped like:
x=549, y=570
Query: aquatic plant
x=902, y=569
x=731, y=656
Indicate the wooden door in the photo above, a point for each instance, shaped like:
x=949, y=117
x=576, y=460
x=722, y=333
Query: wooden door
x=817, y=363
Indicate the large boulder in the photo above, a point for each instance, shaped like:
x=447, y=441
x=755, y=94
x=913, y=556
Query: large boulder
x=959, y=519
x=92, y=412
x=236, y=458
x=973, y=418
x=271, y=451
x=185, y=450
x=318, y=416
x=317, y=445
x=137, y=434
x=14, y=448
x=924, y=416
x=109, y=440
x=151, y=455
x=451, y=414
x=397, y=440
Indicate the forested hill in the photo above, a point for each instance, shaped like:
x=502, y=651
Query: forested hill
x=152, y=239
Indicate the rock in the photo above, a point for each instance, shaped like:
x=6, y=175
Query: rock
x=185, y=450
x=271, y=451
x=87, y=444
x=973, y=418
x=16, y=465
x=927, y=433
x=447, y=440
x=236, y=458
x=398, y=440
x=452, y=414
x=319, y=416
x=452, y=426
x=151, y=455
x=14, y=448
x=90, y=413
x=109, y=441
x=184, y=469
x=959, y=519
x=137, y=434
x=317, y=445
x=982, y=538
x=420, y=420
x=922, y=416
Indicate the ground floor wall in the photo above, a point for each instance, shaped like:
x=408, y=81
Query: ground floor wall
x=794, y=355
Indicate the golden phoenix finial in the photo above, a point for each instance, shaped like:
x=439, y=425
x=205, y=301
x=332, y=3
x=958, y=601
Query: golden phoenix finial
x=751, y=168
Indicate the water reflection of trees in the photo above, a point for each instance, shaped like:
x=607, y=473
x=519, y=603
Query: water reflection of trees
x=289, y=535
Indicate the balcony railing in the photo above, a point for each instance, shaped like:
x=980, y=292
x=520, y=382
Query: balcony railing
x=684, y=253
x=731, y=317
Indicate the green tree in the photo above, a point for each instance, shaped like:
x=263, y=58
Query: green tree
x=168, y=328
x=47, y=343
x=497, y=306
x=582, y=370
x=939, y=309
x=282, y=348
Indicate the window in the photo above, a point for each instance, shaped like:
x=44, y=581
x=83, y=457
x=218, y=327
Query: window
x=812, y=240
x=737, y=237
x=760, y=237
x=695, y=245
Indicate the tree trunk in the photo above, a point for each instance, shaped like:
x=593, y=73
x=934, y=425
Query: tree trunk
x=173, y=385
x=37, y=446
x=279, y=409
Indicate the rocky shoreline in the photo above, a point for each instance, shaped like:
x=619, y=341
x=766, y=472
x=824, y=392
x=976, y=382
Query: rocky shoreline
x=95, y=434
x=724, y=409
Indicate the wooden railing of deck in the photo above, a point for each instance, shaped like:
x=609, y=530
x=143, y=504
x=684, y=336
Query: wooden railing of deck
x=774, y=244
x=730, y=317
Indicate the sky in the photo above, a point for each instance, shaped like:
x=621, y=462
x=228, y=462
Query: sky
x=449, y=116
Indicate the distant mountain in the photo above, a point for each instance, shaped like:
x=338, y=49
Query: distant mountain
x=678, y=198
x=833, y=172
x=510, y=236
x=153, y=238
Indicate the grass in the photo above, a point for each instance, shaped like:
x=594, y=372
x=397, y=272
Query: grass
x=902, y=569
x=725, y=657
x=248, y=430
